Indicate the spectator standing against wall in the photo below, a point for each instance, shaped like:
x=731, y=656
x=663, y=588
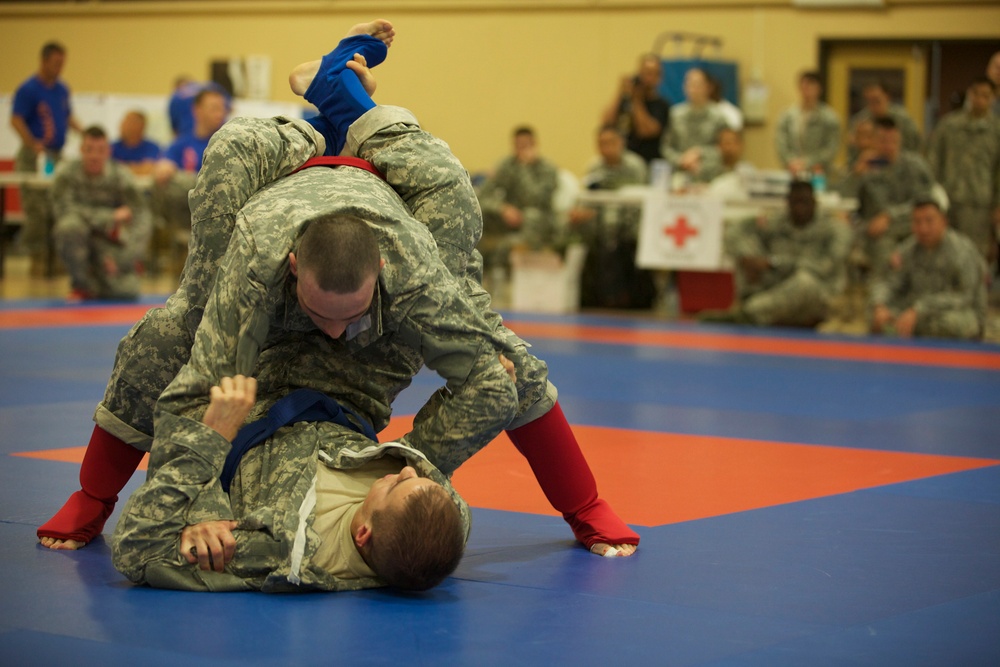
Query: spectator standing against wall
x=808, y=134
x=964, y=155
x=41, y=116
x=638, y=111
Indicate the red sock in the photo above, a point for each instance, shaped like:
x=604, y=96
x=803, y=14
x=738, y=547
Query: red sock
x=561, y=470
x=107, y=466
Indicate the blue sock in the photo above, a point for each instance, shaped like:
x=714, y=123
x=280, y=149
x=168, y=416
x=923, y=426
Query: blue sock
x=372, y=49
x=345, y=101
x=325, y=127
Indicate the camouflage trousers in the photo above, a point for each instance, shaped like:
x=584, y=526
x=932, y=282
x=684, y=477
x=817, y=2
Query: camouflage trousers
x=801, y=299
x=35, y=201
x=85, y=250
x=422, y=170
x=960, y=323
x=976, y=222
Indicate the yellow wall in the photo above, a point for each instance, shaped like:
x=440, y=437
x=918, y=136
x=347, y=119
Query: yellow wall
x=471, y=74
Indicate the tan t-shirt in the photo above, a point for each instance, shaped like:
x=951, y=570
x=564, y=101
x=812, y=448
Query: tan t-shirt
x=339, y=494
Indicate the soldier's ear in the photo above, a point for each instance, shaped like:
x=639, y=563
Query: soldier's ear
x=381, y=264
x=293, y=264
x=362, y=536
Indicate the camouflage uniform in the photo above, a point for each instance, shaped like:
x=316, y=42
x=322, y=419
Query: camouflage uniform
x=530, y=188
x=945, y=285
x=35, y=201
x=964, y=155
x=813, y=136
x=807, y=267
x=435, y=188
x=892, y=189
x=273, y=498
x=416, y=299
x=86, y=234
x=909, y=133
x=690, y=127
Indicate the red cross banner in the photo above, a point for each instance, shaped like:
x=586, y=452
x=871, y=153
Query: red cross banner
x=680, y=232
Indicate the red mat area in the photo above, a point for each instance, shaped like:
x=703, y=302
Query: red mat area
x=654, y=479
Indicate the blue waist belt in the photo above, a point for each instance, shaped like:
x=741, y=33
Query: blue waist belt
x=302, y=405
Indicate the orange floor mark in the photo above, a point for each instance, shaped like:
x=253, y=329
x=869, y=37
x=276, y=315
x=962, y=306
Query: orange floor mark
x=67, y=454
x=701, y=340
x=660, y=478
x=72, y=317
x=654, y=479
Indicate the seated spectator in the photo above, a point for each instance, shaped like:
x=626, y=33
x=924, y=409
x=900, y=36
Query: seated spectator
x=808, y=134
x=517, y=202
x=895, y=180
x=639, y=112
x=611, y=231
x=102, y=223
x=789, y=266
x=936, y=285
x=133, y=148
x=862, y=146
x=725, y=170
x=694, y=126
x=175, y=173
x=964, y=155
x=878, y=104
x=180, y=107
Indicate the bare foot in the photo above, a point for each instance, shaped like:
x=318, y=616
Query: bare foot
x=379, y=29
x=303, y=74
x=360, y=67
x=61, y=545
x=613, y=551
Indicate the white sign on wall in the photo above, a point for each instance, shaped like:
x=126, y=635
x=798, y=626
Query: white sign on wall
x=680, y=232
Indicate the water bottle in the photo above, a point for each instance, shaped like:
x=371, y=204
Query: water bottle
x=818, y=181
x=659, y=175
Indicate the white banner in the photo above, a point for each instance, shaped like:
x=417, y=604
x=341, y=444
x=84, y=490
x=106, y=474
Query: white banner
x=680, y=232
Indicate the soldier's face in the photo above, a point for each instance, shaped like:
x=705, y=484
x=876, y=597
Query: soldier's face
x=929, y=226
x=980, y=99
x=801, y=206
x=888, y=143
x=877, y=100
x=391, y=492
x=333, y=312
x=94, y=154
x=610, y=145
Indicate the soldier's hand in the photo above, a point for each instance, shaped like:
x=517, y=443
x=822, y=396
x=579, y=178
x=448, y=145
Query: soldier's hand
x=231, y=402
x=878, y=225
x=210, y=544
x=906, y=323
x=508, y=366
x=881, y=317
x=754, y=267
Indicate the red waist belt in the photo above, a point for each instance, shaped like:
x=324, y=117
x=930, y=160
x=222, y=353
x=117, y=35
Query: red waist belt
x=337, y=161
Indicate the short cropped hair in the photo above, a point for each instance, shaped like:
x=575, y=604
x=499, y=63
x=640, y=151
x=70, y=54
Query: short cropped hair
x=524, y=130
x=417, y=548
x=811, y=75
x=341, y=252
x=885, y=123
x=984, y=81
x=800, y=185
x=95, y=132
x=927, y=200
x=51, y=48
x=206, y=92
